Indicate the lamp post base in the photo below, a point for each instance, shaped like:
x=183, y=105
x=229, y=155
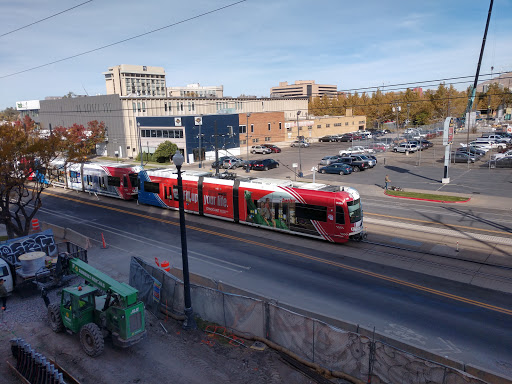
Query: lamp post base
x=190, y=322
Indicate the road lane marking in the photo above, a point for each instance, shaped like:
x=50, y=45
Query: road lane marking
x=305, y=256
x=152, y=242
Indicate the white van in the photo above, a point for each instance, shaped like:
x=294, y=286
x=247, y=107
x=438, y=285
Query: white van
x=406, y=147
x=5, y=273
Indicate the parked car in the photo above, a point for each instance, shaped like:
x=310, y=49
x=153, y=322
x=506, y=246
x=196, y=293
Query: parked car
x=481, y=146
x=459, y=157
x=344, y=138
x=491, y=143
x=329, y=160
x=232, y=163
x=504, y=162
x=372, y=160
x=405, y=147
x=495, y=137
x=357, y=165
x=337, y=168
x=301, y=144
x=501, y=155
x=273, y=148
x=356, y=150
x=264, y=165
x=378, y=147
x=328, y=139
x=425, y=144
x=469, y=152
x=260, y=149
x=220, y=162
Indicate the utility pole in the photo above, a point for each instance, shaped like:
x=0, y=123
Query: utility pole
x=216, y=149
x=200, y=153
x=300, y=143
x=396, y=109
x=248, y=167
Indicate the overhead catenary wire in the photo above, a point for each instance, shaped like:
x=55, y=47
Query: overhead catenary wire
x=46, y=18
x=125, y=40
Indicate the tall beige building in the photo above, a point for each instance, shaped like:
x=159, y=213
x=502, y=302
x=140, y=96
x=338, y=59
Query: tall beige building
x=303, y=88
x=135, y=80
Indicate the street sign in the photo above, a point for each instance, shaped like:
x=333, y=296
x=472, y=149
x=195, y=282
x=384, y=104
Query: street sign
x=449, y=128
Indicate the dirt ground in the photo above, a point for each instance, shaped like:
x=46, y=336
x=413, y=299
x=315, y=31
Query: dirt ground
x=175, y=356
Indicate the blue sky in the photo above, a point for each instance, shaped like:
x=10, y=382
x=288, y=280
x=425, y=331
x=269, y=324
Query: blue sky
x=252, y=46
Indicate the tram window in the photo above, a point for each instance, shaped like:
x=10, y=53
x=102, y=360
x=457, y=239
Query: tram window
x=134, y=179
x=114, y=181
x=340, y=215
x=168, y=192
x=151, y=187
x=125, y=181
x=311, y=212
x=74, y=177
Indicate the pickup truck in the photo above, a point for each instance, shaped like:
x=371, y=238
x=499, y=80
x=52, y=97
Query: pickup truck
x=356, y=150
x=501, y=155
x=357, y=165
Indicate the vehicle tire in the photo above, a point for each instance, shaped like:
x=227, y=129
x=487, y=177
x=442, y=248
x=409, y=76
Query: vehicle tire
x=265, y=169
x=322, y=171
x=55, y=318
x=253, y=152
x=92, y=339
x=277, y=165
x=341, y=173
x=356, y=169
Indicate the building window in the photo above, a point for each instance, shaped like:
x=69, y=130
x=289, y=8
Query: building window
x=143, y=106
x=346, y=122
x=255, y=140
x=327, y=125
x=280, y=126
x=138, y=106
x=268, y=138
x=252, y=128
x=268, y=126
x=242, y=129
x=242, y=142
x=319, y=126
x=193, y=106
x=134, y=107
x=165, y=107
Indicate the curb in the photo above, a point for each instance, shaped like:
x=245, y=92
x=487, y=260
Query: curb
x=435, y=201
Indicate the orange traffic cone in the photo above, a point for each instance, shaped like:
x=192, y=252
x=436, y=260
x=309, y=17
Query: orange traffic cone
x=104, y=245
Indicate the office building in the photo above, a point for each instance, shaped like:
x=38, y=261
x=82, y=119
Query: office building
x=303, y=88
x=135, y=80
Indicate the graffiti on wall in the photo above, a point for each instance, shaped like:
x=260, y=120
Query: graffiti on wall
x=42, y=241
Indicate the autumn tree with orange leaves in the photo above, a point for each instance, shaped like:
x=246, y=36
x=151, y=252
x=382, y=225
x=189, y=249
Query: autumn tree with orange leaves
x=25, y=156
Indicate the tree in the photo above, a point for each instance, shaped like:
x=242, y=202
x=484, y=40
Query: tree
x=164, y=151
x=25, y=157
x=9, y=114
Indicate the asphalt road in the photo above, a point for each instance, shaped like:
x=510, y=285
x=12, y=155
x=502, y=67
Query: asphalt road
x=302, y=272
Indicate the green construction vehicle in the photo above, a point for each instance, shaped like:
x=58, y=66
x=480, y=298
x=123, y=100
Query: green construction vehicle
x=114, y=311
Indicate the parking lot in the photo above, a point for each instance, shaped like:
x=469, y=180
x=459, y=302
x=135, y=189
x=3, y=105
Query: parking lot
x=422, y=170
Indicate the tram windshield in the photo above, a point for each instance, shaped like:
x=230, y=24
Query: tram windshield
x=354, y=210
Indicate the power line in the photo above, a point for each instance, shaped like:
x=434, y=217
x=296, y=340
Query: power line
x=46, y=18
x=125, y=40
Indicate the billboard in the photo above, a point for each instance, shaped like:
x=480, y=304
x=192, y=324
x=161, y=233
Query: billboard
x=27, y=105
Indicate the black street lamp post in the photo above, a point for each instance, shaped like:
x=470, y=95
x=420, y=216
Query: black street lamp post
x=190, y=322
